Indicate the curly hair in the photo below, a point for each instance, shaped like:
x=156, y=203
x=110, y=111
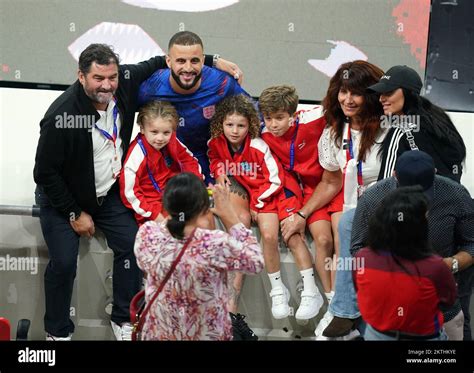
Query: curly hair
x=241, y=105
x=355, y=76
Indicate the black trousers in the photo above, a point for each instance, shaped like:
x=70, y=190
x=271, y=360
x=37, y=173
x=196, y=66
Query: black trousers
x=119, y=227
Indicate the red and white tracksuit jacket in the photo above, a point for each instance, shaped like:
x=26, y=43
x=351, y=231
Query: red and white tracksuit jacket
x=306, y=166
x=136, y=188
x=306, y=155
x=254, y=167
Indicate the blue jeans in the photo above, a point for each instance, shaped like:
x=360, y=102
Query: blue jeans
x=465, y=284
x=373, y=335
x=344, y=302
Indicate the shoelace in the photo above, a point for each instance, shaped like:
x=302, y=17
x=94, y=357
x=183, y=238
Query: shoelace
x=241, y=325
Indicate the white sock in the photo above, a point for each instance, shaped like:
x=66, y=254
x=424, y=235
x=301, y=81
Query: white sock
x=329, y=295
x=275, y=280
x=308, y=280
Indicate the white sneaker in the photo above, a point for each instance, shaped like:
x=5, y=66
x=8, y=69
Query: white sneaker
x=280, y=298
x=323, y=323
x=310, y=305
x=123, y=332
x=352, y=335
x=50, y=337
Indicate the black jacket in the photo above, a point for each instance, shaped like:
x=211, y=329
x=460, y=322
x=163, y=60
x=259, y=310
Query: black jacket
x=446, y=157
x=64, y=163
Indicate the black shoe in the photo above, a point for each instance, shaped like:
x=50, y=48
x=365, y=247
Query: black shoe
x=240, y=329
x=340, y=327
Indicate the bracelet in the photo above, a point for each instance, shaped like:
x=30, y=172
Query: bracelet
x=301, y=214
x=214, y=60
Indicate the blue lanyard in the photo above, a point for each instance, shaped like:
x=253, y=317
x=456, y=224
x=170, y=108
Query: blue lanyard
x=351, y=154
x=292, y=146
x=150, y=175
x=105, y=133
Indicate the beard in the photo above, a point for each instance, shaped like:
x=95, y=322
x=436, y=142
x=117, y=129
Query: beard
x=188, y=85
x=99, y=96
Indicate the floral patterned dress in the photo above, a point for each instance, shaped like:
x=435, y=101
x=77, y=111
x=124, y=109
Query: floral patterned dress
x=193, y=303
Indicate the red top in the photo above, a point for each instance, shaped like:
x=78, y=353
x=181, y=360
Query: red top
x=136, y=188
x=306, y=155
x=404, y=299
x=253, y=166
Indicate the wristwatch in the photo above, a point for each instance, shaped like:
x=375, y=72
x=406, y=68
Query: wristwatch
x=455, y=265
x=214, y=59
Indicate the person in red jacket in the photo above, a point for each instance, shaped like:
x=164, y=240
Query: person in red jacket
x=237, y=154
x=154, y=157
x=293, y=138
x=402, y=285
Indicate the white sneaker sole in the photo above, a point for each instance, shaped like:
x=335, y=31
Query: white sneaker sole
x=323, y=324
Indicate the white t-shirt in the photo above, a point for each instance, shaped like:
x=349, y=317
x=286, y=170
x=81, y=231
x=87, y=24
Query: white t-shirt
x=333, y=157
x=104, y=150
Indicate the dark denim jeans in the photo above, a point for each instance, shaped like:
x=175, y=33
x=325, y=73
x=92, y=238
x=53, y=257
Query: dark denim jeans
x=119, y=227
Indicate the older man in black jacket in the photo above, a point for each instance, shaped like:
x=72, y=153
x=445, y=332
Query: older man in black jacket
x=84, y=136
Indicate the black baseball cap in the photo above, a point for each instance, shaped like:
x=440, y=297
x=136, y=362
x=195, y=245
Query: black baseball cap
x=415, y=167
x=398, y=77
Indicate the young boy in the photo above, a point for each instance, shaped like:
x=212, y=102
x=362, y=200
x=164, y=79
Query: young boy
x=293, y=138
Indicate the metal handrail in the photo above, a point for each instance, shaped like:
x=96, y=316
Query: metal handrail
x=20, y=210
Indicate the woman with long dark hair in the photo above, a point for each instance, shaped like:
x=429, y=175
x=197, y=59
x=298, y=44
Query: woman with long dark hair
x=351, y=142
x=402, y=286
x=353, y=136
x=416, y=123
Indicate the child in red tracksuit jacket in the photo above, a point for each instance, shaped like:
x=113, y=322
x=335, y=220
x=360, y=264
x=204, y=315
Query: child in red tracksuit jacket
x=235, y=150
x=293, y=138
x=154, y=157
